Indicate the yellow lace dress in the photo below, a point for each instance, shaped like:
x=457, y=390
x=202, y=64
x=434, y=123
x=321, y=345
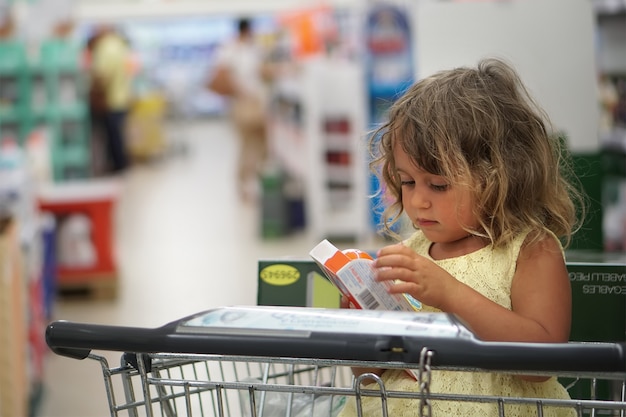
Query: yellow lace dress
x=489, y=272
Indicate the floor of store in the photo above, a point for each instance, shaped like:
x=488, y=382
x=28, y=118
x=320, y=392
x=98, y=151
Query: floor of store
x=184, y=243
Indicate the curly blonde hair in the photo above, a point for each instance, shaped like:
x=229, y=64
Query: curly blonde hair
x=479, y=127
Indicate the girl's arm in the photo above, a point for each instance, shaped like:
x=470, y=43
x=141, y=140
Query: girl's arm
x=540, y=293
x=541, y=302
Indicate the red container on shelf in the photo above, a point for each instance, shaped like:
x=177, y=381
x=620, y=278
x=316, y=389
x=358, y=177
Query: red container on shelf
x=84, y=212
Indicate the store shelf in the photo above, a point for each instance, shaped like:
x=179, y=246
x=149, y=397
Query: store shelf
x=13, y=328
x=334, y=120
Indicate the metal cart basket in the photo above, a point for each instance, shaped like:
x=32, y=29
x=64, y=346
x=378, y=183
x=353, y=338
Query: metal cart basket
x=295, y=361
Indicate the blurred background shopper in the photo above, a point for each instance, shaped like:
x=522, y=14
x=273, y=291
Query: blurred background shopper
x=240, y=73
x=111, y=92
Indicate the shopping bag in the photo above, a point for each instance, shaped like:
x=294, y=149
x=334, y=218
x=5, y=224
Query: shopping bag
x=98, y=95
x=222, y=82
x=249, y=114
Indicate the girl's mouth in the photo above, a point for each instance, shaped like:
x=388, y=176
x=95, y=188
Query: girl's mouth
x=425, y=222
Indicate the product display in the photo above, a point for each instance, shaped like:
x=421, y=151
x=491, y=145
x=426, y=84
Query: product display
x=334, y=119
x=83, y=212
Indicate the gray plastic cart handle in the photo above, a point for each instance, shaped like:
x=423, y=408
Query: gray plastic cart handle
x=76, y=340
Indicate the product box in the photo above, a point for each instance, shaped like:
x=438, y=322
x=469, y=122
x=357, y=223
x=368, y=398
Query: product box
x=352, y=273
x=598, y=296
x=598, y=310
x=296, y=283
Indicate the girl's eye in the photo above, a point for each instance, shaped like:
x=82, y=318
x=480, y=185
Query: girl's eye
x=439, y=187
x=406, y=183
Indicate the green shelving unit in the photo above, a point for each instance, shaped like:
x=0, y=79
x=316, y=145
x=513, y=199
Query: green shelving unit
x=66, y=114
x=13, y=90
x=70, y=153
x=47, y=93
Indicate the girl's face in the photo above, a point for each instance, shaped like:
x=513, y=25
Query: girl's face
x=433, y=205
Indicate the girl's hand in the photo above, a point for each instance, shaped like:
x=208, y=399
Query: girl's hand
x=415, y=275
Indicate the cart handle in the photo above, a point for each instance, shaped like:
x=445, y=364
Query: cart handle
x=76, y=340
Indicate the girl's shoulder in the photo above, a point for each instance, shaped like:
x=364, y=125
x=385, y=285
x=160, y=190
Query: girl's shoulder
x=541, y=242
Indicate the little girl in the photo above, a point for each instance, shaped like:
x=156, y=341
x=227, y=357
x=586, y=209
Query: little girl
x=469, y=158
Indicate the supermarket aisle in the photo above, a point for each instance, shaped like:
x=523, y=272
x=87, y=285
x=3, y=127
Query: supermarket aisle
x=184, y=244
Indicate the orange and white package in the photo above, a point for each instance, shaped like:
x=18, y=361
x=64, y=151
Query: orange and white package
x=356, y=254
x=352, y=272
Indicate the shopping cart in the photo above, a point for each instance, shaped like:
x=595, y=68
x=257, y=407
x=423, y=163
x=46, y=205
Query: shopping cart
x=295, y=361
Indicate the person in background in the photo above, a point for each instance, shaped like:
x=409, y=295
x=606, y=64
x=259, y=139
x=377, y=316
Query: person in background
x=469, y=157
x=111, y=71
x=243, y=61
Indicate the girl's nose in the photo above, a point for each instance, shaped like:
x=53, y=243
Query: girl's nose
x=420, y=200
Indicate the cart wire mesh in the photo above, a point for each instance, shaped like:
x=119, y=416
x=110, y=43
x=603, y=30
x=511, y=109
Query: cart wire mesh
x=168, y=384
